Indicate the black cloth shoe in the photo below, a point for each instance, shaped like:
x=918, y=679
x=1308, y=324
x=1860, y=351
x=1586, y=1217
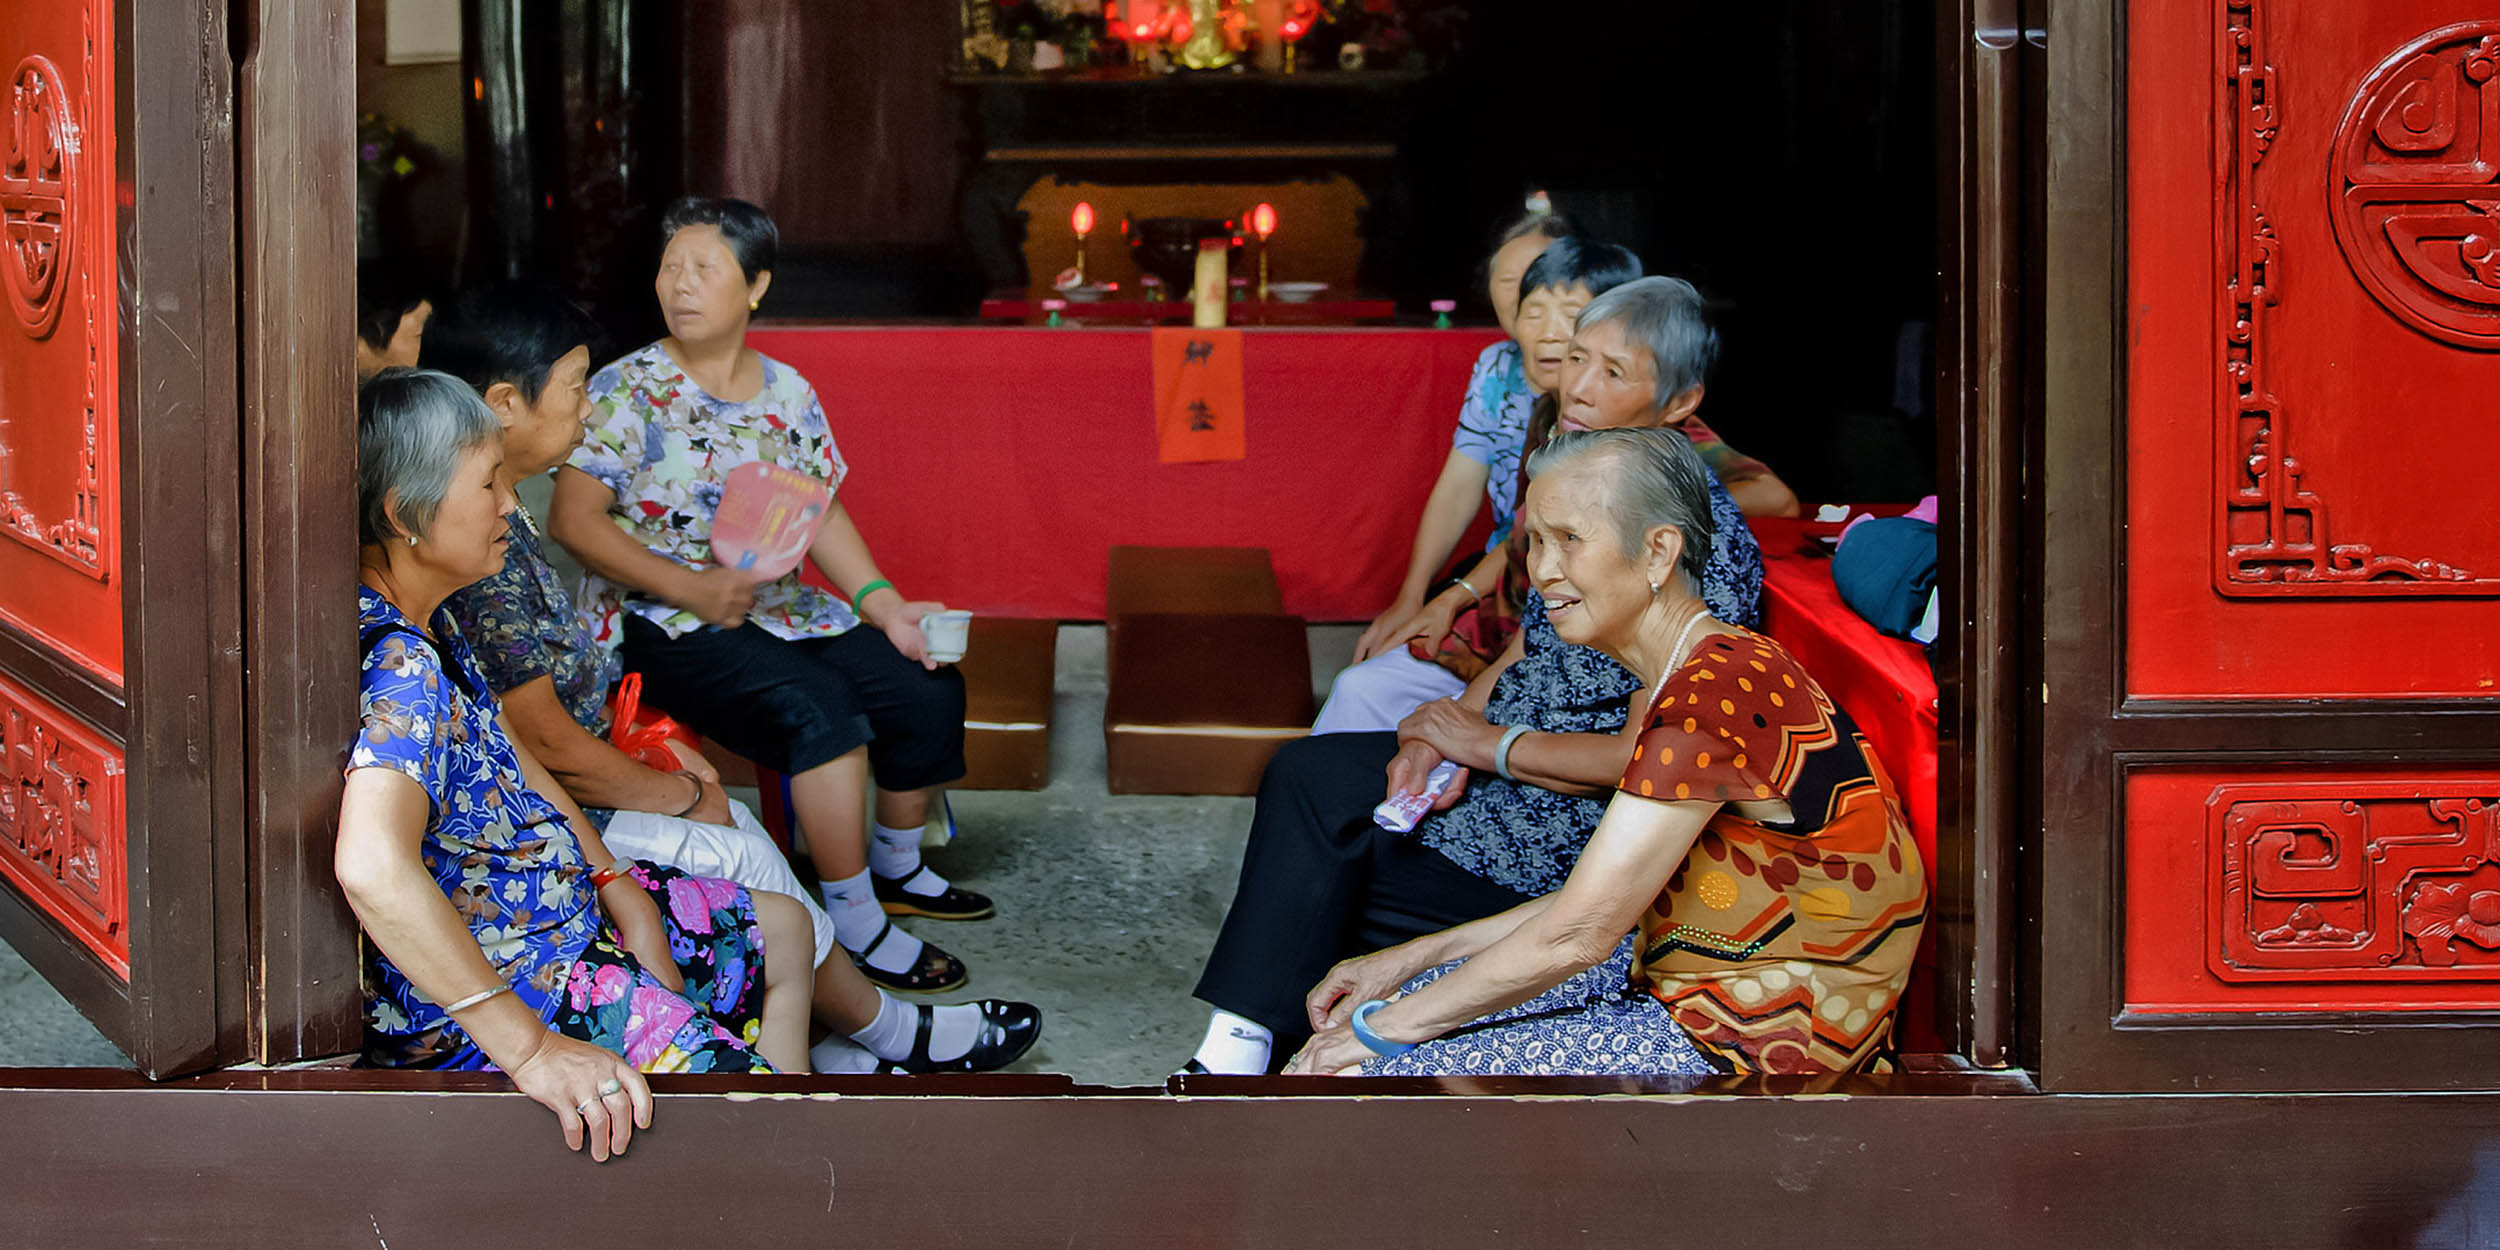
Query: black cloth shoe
x=954, y=904
x=936, y=973
x=1007, y=1031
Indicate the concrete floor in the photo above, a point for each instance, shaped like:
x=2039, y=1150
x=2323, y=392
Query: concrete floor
x=1106, y=903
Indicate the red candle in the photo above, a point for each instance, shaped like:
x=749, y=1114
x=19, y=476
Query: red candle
x=1263, y=221
x=1082, y=220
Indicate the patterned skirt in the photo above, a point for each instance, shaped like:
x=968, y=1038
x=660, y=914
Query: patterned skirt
x=612, y=1002
x=1594, y=1024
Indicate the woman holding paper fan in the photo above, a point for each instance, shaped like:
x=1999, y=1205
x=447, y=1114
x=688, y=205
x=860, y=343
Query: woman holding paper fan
x=779, y=671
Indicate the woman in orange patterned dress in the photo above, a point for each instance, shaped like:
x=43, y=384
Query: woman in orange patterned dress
x=1755, y=851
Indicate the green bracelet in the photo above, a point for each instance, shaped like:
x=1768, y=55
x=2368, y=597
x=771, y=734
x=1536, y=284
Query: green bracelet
x=860, y=596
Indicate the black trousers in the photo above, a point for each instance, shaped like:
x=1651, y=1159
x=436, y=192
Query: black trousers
x=791, y=706
x=1320, y=882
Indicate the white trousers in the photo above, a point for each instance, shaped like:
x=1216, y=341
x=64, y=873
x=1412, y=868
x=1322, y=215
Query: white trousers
x=744, y=854
x=1381, y=691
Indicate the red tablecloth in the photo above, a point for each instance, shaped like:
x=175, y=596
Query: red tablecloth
x=1883, y=682
x=1021, y=306
x=995, y=467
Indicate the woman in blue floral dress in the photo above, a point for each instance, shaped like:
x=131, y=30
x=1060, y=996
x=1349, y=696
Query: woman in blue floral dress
x=504, y=935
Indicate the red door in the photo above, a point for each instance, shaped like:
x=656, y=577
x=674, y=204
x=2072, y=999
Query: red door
x=2272, y=578
x=122, y=852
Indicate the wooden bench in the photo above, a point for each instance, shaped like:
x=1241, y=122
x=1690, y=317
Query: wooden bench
x=1009, y=676
x=1208, y=676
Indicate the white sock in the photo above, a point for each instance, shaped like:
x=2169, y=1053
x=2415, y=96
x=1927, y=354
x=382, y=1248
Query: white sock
x=839, y=1055
x=894, y=854
x=1235, y=1047
x=857, y=918
x=951, y=1030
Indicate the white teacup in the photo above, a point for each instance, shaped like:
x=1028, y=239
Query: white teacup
x=948, y=633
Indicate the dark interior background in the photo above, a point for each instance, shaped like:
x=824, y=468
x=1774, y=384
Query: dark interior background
x=1781, y=155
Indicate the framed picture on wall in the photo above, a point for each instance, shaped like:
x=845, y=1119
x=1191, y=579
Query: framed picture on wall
x=421, y=32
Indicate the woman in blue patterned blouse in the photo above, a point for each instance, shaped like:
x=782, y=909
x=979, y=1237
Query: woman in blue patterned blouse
x=505, y=935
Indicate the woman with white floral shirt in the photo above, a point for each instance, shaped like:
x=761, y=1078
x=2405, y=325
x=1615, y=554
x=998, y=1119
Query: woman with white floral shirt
x=780, y=672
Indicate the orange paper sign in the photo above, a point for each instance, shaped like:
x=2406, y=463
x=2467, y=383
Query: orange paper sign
x=1198, y=408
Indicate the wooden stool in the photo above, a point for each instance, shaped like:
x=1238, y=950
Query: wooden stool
x=1191, y=579
x=1208, y=675
x=1009, y=670
x=1199, y=702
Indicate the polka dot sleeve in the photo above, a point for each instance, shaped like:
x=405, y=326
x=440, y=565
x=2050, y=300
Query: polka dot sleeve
x=1732, y=725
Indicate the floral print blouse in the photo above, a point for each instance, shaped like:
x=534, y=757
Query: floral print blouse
x=502, y=854
x=665, y=446
x=521, y=626
x=1493, y=428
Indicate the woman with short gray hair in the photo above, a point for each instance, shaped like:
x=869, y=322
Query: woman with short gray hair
x=504, y=934
x=1753, y=842
x=1321, y=881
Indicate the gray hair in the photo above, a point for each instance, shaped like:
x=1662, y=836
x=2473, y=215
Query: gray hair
x=1655, y=478
x=412, y=428
x=1670, y=318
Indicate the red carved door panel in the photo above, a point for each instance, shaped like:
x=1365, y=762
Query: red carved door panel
x=60, y=341
x=2271, y=575
x=120, y=773
x=2314, y=221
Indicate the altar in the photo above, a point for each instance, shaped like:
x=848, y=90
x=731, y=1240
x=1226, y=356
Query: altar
x=994, y=467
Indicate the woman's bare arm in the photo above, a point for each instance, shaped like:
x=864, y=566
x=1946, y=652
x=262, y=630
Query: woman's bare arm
x=382, y=821
x=592, y=770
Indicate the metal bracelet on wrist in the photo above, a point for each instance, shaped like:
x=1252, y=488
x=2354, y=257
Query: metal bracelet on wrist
x=694, y=803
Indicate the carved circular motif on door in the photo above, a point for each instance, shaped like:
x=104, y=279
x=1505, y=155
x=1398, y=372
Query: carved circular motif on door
x=38, y=183
x=2415, y=176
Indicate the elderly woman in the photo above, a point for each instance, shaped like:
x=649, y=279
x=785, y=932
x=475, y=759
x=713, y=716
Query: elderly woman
x=1492, y=419
x=1386, y=681
x=1320, y=880
x=505, y=934
x=1753, y=841
x=526, y=350
x=782, y=673
x=391, y=311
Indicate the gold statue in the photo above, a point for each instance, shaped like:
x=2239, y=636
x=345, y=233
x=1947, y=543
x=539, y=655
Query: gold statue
x=981, y=41
x=1207, y=47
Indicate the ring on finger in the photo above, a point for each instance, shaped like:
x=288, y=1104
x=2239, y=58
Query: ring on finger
x=611, y=1086
x=583, y=1108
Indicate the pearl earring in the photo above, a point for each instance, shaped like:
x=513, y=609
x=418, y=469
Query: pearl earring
x=412, y=540
x=1655, y=587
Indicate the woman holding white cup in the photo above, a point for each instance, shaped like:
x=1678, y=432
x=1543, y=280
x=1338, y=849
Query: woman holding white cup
x=778, y=671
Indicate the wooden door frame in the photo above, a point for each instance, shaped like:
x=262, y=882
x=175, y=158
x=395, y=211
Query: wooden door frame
x=2092, y=734
x=296, y=97
x=1987, y=146
x=177, y=714
x=235, y=264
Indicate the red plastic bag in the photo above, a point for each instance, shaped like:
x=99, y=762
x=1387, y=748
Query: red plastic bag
x=644, y=733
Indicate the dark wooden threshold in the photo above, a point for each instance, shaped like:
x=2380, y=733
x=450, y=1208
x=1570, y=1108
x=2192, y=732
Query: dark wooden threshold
x=1128, y=152
x=1923, y=1077
x=330, y=1159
